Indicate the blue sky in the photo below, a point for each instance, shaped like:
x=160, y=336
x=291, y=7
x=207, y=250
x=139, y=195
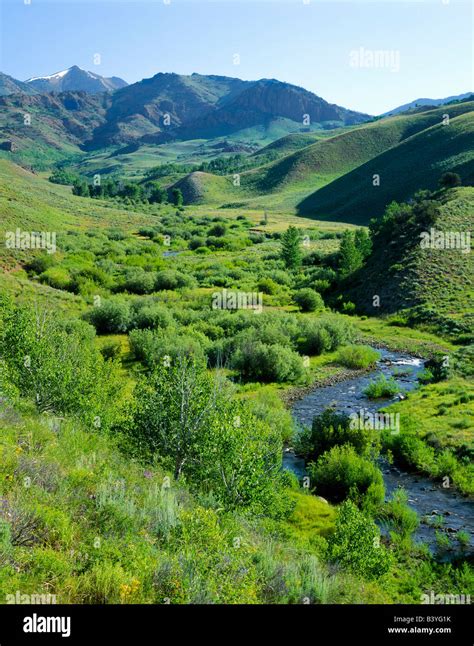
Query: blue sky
x=305, y=44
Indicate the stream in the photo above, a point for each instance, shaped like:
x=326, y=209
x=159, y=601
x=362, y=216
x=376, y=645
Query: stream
x=427, y=497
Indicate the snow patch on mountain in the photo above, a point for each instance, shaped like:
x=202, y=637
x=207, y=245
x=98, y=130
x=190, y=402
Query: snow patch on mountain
x=57, y=75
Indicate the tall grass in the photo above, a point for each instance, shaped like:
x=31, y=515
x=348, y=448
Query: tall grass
x=357, y=356
x=382, y=387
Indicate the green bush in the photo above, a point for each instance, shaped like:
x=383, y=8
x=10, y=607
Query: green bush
x=216, y=242
x=382, y=388
x=110, y=317
x=62, y=371
x=218, y=230
x=400, y=517
x=159, y=347
x=261, y=362
x=95, y=275
x=323, y=334
x=333, y=429
x=267, y=406
x=61, y=176
x=436, y=369
x=170, y=279
x=147, y=232
x=348, y=307
x=425, y=376
x=322, y=285
x=357, y=356
x=341, y=473
x=151, y=317
x=463, y=361
x=411, y=452
x=139, y=281
x=116, y=234
x=57, y=277
x=195, y=243
x=315, y=339
x=355, y=544
x=184, y=415
x=308, y=300
x=41, y=263
x=268, y=286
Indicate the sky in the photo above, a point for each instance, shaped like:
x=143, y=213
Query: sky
x=367, y=56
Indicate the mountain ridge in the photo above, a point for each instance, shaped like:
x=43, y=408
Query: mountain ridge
x=75, y=79
x=10, y=85
x=424, y=103
x=182, y=107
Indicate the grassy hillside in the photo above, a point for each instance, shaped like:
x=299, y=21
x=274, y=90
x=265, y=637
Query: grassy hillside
x=31, y=203
x=332, y=165
x=291, y=143
x=404, y=275
x=205, y=188
x=336, y=155
x=417, y=162
x=55, y=128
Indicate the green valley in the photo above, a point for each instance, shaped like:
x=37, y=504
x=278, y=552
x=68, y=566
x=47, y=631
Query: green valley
x=236, y=339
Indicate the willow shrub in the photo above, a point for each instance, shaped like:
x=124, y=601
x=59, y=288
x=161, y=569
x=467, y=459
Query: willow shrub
x=268, y=363
x=341, y=473
x=186, y=418
x=58, y=366
x=355, y=544
x=332, y=429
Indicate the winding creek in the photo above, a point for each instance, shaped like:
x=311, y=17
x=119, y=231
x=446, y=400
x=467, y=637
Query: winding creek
x=428, y=498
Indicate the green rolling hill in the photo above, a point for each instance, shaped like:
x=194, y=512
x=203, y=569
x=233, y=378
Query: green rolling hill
x=332, y=178
x=291, y=143
x=31, y=203
x=205, y=188
x=336, y=155
x=405, y=275
x=415, y=163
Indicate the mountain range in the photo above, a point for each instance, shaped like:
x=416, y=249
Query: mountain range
x=173, y=106
x=170, y=107
x=75, y=79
